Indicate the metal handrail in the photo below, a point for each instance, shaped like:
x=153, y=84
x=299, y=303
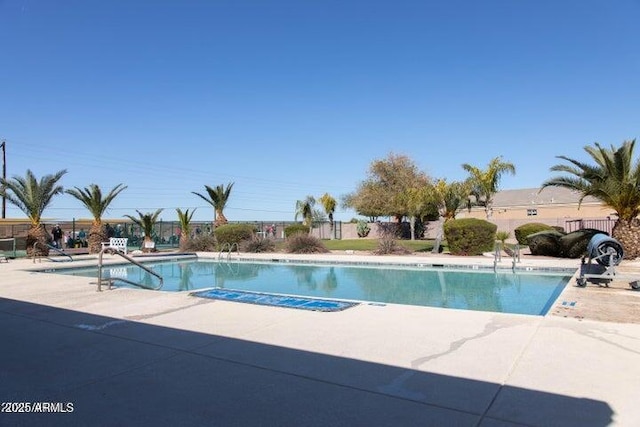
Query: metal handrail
x=497, y=254
x=229, y=247
x=36, y=243
x=34, y=251
x=516, y=256
x=131, y=260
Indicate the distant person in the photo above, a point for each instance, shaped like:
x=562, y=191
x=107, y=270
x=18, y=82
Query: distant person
x=110, y=231
x=56, y=233
x=68, y=240
x=82, y=237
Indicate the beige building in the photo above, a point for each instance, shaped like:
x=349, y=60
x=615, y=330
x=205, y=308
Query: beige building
x=553, y=205
x=511, y=208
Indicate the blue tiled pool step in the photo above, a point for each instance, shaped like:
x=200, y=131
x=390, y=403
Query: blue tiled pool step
x=275, y=300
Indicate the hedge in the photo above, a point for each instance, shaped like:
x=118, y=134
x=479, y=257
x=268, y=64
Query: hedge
x=470, y=236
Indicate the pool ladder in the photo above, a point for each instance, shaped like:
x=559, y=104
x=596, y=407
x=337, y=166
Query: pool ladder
x=110, y=280
x=497, y=256
x=227, y=248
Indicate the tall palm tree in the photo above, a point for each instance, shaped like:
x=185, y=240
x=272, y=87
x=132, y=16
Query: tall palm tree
x=304, y=208
x=185, y=225
x=615, y=181
x=218, y=198
x=486, y=181
x=33, y=196
x=146, y=222
x=92, y=199
x=329, y=205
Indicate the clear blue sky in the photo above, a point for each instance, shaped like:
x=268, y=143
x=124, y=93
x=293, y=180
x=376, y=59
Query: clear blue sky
x=294, y=98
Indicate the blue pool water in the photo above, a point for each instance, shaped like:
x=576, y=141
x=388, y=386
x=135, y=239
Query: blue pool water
x=482, y=290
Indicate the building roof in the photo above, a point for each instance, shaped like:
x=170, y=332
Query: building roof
x=535, y=196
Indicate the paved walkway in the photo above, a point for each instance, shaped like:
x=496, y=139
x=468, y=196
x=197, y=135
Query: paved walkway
x=131, y=357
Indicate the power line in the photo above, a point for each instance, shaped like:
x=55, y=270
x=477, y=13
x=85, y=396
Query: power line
x=4, y=177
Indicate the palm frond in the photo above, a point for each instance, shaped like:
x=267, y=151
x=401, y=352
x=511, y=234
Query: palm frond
x=92, y=199
x=146, y=221
x=185, y=220
x=217, y=197
x=30, y=195
x=614, y=179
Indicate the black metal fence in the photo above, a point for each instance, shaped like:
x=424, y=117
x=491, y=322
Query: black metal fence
x=166, y=234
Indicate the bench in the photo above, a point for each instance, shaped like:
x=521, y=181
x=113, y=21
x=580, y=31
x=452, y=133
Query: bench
x=119, y=243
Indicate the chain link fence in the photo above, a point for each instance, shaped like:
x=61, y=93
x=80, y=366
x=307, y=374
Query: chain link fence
x=166, y=234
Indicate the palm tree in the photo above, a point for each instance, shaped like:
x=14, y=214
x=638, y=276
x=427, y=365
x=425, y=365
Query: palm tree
x=218, y=198
x=329, y=205
x=92, y=199
x=450, y=197
x=32, y=197
x=146, y=222
x=615, y=181
x=185, y=225
x=486, y=181
x=304, y=208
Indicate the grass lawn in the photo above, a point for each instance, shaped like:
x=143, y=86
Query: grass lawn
x=364, y=245
x=369, y=245
x=372, y=244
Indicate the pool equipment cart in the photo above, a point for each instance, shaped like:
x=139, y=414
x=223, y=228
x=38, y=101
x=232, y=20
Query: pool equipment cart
x=607, y=253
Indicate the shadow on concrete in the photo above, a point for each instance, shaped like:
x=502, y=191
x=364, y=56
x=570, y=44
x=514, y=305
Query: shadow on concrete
x=120, y=372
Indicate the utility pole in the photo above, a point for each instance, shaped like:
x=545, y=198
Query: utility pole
x=4, y=178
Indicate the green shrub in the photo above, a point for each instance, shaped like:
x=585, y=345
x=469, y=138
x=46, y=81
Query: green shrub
x=545, y=243
x=256, y=245
x=574, y=245
x=526, y=230
x=293, y=229
x=556, y=244
x=502, y=236
x=303, y=243
x=234, y=233
x=362, y=228
x=200, y=243
x=469, y=236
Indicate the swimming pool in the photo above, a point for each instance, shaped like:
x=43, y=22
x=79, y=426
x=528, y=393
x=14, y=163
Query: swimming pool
x=520, y=292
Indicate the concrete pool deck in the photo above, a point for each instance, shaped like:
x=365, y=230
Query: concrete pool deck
x=135, y=357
